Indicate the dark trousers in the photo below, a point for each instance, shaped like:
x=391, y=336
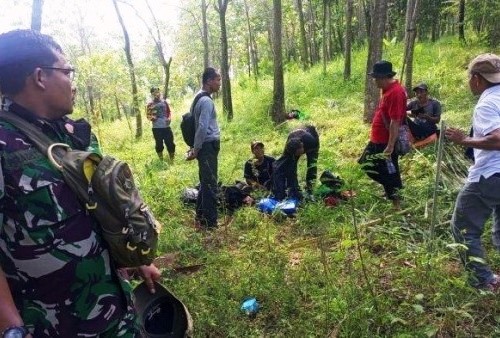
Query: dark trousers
x=375, y=165
x=161, y=136
x=421, y=131
x=284, y=179
x=206, y=203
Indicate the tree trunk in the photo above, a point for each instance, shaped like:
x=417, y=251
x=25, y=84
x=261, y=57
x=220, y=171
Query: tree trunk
x=312, y=34
x=411, y=32
x=206, y=58
x=367, y=11
x=375, y=45
x=135, y=101
x=278, y=106
x=252, y=44
x=325, y=38
x=461, y=21
x=227, y=103
x=348, y=39
x=159, y=49
x=304, y=53
x=36, y=15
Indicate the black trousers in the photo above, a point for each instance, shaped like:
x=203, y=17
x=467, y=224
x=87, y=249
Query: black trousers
x=375, y=165
x=206, y=203
x=421, y=131
x=161, y=136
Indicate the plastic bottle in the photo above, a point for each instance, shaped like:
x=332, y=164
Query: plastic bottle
x=391, y=169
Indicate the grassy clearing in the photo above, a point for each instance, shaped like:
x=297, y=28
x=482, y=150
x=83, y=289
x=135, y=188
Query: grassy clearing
x=331, y=271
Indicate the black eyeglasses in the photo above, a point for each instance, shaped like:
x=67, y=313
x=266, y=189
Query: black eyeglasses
x=69, y=72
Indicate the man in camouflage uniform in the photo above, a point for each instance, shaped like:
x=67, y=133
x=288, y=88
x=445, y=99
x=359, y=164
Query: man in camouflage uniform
x=56, y=276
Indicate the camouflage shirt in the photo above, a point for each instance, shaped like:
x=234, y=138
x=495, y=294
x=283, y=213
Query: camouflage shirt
x=56, y=264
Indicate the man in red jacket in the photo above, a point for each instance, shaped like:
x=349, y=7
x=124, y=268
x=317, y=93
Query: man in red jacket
x=380, y=158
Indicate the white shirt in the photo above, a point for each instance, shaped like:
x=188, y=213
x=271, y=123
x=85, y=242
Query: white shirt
x=486, y=118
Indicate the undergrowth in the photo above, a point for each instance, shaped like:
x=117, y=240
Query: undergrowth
x=356, y=270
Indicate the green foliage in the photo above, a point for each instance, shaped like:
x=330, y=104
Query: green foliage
x=306, y=271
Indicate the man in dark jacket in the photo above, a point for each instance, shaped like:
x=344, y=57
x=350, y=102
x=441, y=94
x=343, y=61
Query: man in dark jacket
x=309, y=138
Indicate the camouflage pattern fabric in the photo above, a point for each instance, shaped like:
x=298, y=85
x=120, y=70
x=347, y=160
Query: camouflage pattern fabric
x=56, y=263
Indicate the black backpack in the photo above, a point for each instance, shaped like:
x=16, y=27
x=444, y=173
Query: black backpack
x=188, y=122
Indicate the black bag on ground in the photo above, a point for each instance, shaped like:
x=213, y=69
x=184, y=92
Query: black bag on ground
x=106, y=188
x=188, y=122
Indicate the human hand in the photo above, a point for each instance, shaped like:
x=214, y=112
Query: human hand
x=149, y=274
x=455, y=135
x=388, y=150
x=191, y=154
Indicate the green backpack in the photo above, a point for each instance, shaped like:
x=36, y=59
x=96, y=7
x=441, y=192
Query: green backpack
x=106, y=188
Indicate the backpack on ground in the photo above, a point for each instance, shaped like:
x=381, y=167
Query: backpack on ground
x=106, y=188
x=188, y=122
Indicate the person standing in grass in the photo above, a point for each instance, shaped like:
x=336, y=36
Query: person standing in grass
x=158, y=112
x=480, y=196
x=379, y=159
x=206, y=150
x=425, y=111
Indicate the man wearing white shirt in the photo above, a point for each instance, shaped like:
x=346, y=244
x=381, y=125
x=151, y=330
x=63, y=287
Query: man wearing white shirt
x=480, y=196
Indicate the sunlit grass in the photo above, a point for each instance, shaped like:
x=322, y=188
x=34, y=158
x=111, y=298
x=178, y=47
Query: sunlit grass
x=306, y=272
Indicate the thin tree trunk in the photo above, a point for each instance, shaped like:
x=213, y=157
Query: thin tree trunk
x=348, y=39
x=227, y=104
x=206, y=52
x=375, y=45
x=325, y=38
x=278, y=105
x=410, y=35
x=36, y=15
x=312, y=34
x=254, y=60
x=135, y=101
x=461, y=21
x=159, y=49
x=304, y=53
x=367, y=11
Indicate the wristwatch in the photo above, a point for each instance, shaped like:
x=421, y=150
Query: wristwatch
x=15, y=332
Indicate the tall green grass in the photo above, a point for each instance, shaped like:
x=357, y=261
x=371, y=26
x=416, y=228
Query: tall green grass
x=307, y=272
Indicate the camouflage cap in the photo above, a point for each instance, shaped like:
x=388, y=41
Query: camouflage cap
x=487, y=65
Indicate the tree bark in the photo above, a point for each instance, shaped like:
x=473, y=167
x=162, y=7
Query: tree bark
x=412, y=9
x=252, y=44
x=312, y=35
x=135, y=101
x=461, y=20
x=159, y=50
x=206, y=51
x=278, y=106
x=348, y=39
x=36, y=15
x=375, y=45
x=304, y=53
x=325, y=37
x=227, y=103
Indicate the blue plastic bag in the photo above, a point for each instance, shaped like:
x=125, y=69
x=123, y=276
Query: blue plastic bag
x=267, y=205
x=288, y=206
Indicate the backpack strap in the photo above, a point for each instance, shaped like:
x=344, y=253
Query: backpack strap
x=196, y=99
x=41, y=141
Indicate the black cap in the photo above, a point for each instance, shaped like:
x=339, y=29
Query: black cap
x=161, y=314
x=153, y=89
x=422, y=86
x=382, y=69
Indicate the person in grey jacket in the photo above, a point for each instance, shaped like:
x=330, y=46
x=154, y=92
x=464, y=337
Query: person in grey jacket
x=206, y=150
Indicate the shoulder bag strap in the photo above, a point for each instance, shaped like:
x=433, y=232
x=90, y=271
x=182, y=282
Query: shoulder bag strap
x=41, y=141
